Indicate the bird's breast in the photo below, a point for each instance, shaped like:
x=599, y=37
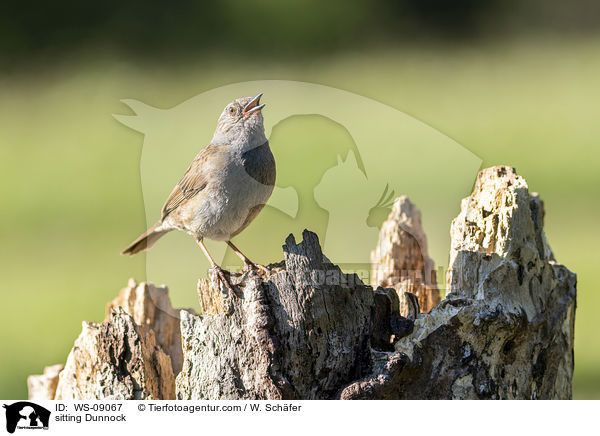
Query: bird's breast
x=236, y=196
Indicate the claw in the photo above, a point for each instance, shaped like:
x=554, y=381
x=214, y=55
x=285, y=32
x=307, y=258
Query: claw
x=255, y=266
x=221, y=276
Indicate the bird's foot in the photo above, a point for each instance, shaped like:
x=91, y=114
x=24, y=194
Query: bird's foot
x=257, y=267
x=222, y=276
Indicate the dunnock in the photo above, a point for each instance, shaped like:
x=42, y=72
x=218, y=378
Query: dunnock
x=225, y=187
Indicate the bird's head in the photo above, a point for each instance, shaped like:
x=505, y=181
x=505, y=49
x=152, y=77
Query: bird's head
x=241, y=122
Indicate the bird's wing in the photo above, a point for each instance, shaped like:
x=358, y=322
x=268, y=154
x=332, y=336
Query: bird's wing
x=210, y=158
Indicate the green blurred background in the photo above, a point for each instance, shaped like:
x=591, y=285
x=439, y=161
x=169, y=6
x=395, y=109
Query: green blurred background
x=515, y=82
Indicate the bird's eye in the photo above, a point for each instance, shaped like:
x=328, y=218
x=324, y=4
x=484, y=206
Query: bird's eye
x=231, y=110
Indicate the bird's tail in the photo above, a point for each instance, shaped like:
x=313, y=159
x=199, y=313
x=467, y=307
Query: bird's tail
x=146, y=240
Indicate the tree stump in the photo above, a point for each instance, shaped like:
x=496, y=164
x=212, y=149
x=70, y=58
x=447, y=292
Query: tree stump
x=309, y=331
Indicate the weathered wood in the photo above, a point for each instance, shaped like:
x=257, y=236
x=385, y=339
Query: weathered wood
x=117, y=359
x=150, y=306
x=309, y=331
x=43, y=386
x=506, y=328
x=401, y=260
x=302, y=332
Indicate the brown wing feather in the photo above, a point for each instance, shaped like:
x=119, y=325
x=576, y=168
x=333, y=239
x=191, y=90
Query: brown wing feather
x=195, y=178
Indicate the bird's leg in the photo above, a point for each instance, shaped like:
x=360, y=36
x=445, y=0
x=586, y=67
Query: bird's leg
x=247, y=262
x=220, y=271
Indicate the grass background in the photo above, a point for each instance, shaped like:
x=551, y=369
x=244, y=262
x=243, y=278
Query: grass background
x=70, y=173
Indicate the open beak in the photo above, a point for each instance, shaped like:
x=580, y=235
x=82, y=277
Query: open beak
x=253, y=106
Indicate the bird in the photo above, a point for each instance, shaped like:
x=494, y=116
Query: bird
x=226, y=186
